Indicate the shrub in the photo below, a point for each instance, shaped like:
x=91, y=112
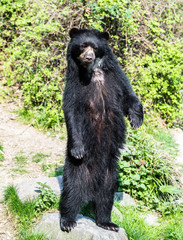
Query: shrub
x=145, y=170
x=159, y=80
x=145, y=36
x=34, y=55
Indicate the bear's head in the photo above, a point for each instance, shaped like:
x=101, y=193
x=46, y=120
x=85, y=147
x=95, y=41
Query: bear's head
x=86, y=46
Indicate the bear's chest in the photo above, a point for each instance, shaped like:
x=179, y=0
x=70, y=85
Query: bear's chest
x=98, y=78
x=97, y=96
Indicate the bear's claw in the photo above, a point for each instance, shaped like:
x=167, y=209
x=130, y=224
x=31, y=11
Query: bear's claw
x=109, y=226
x=67, y=226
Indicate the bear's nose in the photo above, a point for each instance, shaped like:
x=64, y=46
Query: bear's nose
x=89, y=57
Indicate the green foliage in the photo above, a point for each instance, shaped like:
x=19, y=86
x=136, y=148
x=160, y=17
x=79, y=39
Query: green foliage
x=145, y=170
x=170, y=189
x=145, y=37
x=168, y=227
x=159, y=79
x=27, y=235
x=20, y=162
x=47, y=199
x=25, y=212
x=21, y=159
x=37, y=47
x=171, y=207
x=134, y=225
x=161, y=135
x=46, y=166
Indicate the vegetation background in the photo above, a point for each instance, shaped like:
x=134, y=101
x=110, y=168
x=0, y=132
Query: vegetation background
x=146, y=37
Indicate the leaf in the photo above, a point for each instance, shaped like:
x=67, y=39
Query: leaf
x=136, y=177
x=142, y=186
x=126, y=182
x=170, y=189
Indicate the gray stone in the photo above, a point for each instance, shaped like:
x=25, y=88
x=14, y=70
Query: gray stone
x=151, y=219
x=30, y=189
x=124, y=199
x=86, y=229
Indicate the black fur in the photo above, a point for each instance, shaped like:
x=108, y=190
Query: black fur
x=96, y=99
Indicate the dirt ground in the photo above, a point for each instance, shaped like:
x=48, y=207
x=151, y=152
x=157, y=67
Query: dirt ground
x=20, y=139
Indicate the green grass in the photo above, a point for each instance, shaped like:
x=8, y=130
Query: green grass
x=26, y=235
x=134, y=225
x=1, y=153
x=38, y=157
x=25, y=213
x=164, y=137
x=159, y=133
x=46, y=166
x=39, y=118
x=168, y=228
x=22, y=211
x=173, y=227
x=21, y=159
x=20, y=162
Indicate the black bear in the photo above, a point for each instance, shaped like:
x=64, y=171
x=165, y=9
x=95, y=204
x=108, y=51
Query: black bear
x=97, y=96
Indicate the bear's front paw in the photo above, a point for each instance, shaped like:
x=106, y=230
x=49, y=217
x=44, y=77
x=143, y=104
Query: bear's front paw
x=78, y=152
x=136, y=115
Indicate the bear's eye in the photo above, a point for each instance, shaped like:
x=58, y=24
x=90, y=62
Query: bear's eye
x=83, y=45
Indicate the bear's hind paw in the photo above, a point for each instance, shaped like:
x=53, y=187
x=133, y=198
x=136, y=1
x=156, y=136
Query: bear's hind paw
x=67, y=225
x=109, y=226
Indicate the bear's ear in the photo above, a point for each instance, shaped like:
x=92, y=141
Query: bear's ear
x=105, y=35
x=73, y=32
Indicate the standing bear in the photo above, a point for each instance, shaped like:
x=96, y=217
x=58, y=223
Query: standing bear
x=97, y=96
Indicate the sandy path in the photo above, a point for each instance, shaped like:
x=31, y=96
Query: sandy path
x=17, y=138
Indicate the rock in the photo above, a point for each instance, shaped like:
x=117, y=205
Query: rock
x=151, y=219
x=124, y=199
x=86, y=229
x=30, y=189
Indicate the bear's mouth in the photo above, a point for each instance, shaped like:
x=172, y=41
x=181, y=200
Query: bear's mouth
x=87, y=61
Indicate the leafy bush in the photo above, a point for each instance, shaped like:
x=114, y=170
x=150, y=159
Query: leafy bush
x=47, y=199
x=159, y=81
x=34, y=55
x=145, y=170
x=145, y=36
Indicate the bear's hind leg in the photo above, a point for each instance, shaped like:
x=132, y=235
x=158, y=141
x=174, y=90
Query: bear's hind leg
x=102, y=208
x=70, y=206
